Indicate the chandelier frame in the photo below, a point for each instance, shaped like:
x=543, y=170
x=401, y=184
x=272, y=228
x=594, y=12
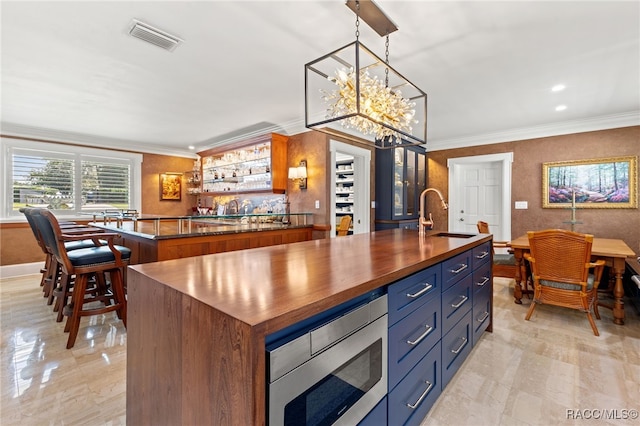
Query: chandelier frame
x=357, y=57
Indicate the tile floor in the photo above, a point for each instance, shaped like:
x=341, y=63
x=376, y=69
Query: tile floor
x=539, y=372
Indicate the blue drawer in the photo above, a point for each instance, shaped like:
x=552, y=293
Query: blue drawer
x=377, y=416
x=456, y=302
x=481, y=254
x=411, y=338
x=481, y=313
x=456, y=268
x=481, y=277
x=456, y=345
x=409, y=293
x=412, y=399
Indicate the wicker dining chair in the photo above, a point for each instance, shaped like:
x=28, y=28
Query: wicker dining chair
x=504, y=262
x=563, y=273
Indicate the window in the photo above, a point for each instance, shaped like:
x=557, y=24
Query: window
x=68, y=179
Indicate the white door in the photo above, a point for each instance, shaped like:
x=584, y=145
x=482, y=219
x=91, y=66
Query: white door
x=480, y=189
x=361, y=185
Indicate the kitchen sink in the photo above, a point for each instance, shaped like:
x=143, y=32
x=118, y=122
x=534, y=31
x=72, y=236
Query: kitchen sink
x=453, y=235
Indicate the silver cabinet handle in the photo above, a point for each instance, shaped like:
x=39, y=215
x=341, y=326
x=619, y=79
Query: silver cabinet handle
x=484, y=317
x=426, y=288
x=457, y=305
x=464, y=342
x=422, y=336
x=460, y=269
x=482, y=255
x=484, y=281
x=415, y=405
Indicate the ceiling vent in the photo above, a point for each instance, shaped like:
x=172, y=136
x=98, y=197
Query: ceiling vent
x=154, y=36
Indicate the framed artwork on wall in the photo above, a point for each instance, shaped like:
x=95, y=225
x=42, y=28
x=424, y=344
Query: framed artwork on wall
x=606, y=183
x=170, y=186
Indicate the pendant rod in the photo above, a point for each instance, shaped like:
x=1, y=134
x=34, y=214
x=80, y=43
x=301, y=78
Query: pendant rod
x=374, y=16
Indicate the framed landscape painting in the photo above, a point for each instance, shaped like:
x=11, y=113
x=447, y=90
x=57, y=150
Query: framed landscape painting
x=609, y=183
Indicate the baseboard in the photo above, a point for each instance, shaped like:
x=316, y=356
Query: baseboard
x=10, y=271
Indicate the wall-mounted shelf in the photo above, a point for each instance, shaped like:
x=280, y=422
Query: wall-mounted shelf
x=256, y=165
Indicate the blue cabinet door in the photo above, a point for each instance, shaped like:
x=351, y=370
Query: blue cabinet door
x=412, y=399
x=456, y=345
x=456, y=302
x=411, y=338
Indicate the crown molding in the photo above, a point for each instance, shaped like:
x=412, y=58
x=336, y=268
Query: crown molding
x=72, y=138
x=627, y=119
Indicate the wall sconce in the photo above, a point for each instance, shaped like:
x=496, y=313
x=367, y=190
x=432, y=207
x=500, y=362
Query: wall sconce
x=299, y=174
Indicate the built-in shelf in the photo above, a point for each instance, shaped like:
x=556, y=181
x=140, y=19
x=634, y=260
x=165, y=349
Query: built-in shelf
x=344, y=189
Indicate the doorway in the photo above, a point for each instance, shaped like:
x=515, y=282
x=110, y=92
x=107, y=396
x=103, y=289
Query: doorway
x=350, y=172
x=480, y=189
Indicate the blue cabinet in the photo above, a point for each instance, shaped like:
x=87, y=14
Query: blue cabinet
x=456, y=302
x=411, y=400
x=408, y=294
x=401, y=175
x=456, y=345
x=377, y=416
x=412, y=338
x=482, y=300
x=455, y=268
x=435, y=318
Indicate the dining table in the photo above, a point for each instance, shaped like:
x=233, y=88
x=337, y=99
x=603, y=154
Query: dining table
x=613, y=251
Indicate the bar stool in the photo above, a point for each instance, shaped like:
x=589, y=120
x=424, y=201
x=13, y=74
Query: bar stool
x=82, y=264
x=51, y=273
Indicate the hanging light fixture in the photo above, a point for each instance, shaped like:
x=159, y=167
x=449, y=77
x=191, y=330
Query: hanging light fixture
x=354, y=94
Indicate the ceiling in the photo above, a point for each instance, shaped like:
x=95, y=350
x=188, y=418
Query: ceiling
x=71, y=72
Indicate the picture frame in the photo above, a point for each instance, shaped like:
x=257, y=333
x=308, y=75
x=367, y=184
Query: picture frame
x=604, y=183
x=170, y=186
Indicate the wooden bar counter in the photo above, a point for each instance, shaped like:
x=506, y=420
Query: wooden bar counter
x=196, y=326
x=153, y=239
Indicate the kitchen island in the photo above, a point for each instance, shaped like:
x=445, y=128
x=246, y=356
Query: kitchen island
x=197, y=326
x=153, y=238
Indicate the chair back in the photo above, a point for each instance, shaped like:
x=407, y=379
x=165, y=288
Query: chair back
x=47, y=232
x=28, y=213
x=483, y=227
x=560, y=255
x=345, y=223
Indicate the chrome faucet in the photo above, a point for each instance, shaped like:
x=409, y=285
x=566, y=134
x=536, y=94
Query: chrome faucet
x=423, y=223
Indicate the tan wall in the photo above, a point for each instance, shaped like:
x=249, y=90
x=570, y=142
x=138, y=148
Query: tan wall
x=528, y=156
x=152, y=166
x=18, y=245
x=313, y=147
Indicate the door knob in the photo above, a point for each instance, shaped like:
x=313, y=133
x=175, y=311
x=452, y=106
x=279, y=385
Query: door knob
x=461, y=219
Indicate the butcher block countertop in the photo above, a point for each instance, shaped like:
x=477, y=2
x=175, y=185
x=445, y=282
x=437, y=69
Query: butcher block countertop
x=196, y=326
x=277, y=286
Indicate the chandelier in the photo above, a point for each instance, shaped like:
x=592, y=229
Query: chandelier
x=353, y=94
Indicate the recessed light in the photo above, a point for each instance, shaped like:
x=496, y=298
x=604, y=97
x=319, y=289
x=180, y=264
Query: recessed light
x=558, y=88
x=192, y=147
x=561, y=107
